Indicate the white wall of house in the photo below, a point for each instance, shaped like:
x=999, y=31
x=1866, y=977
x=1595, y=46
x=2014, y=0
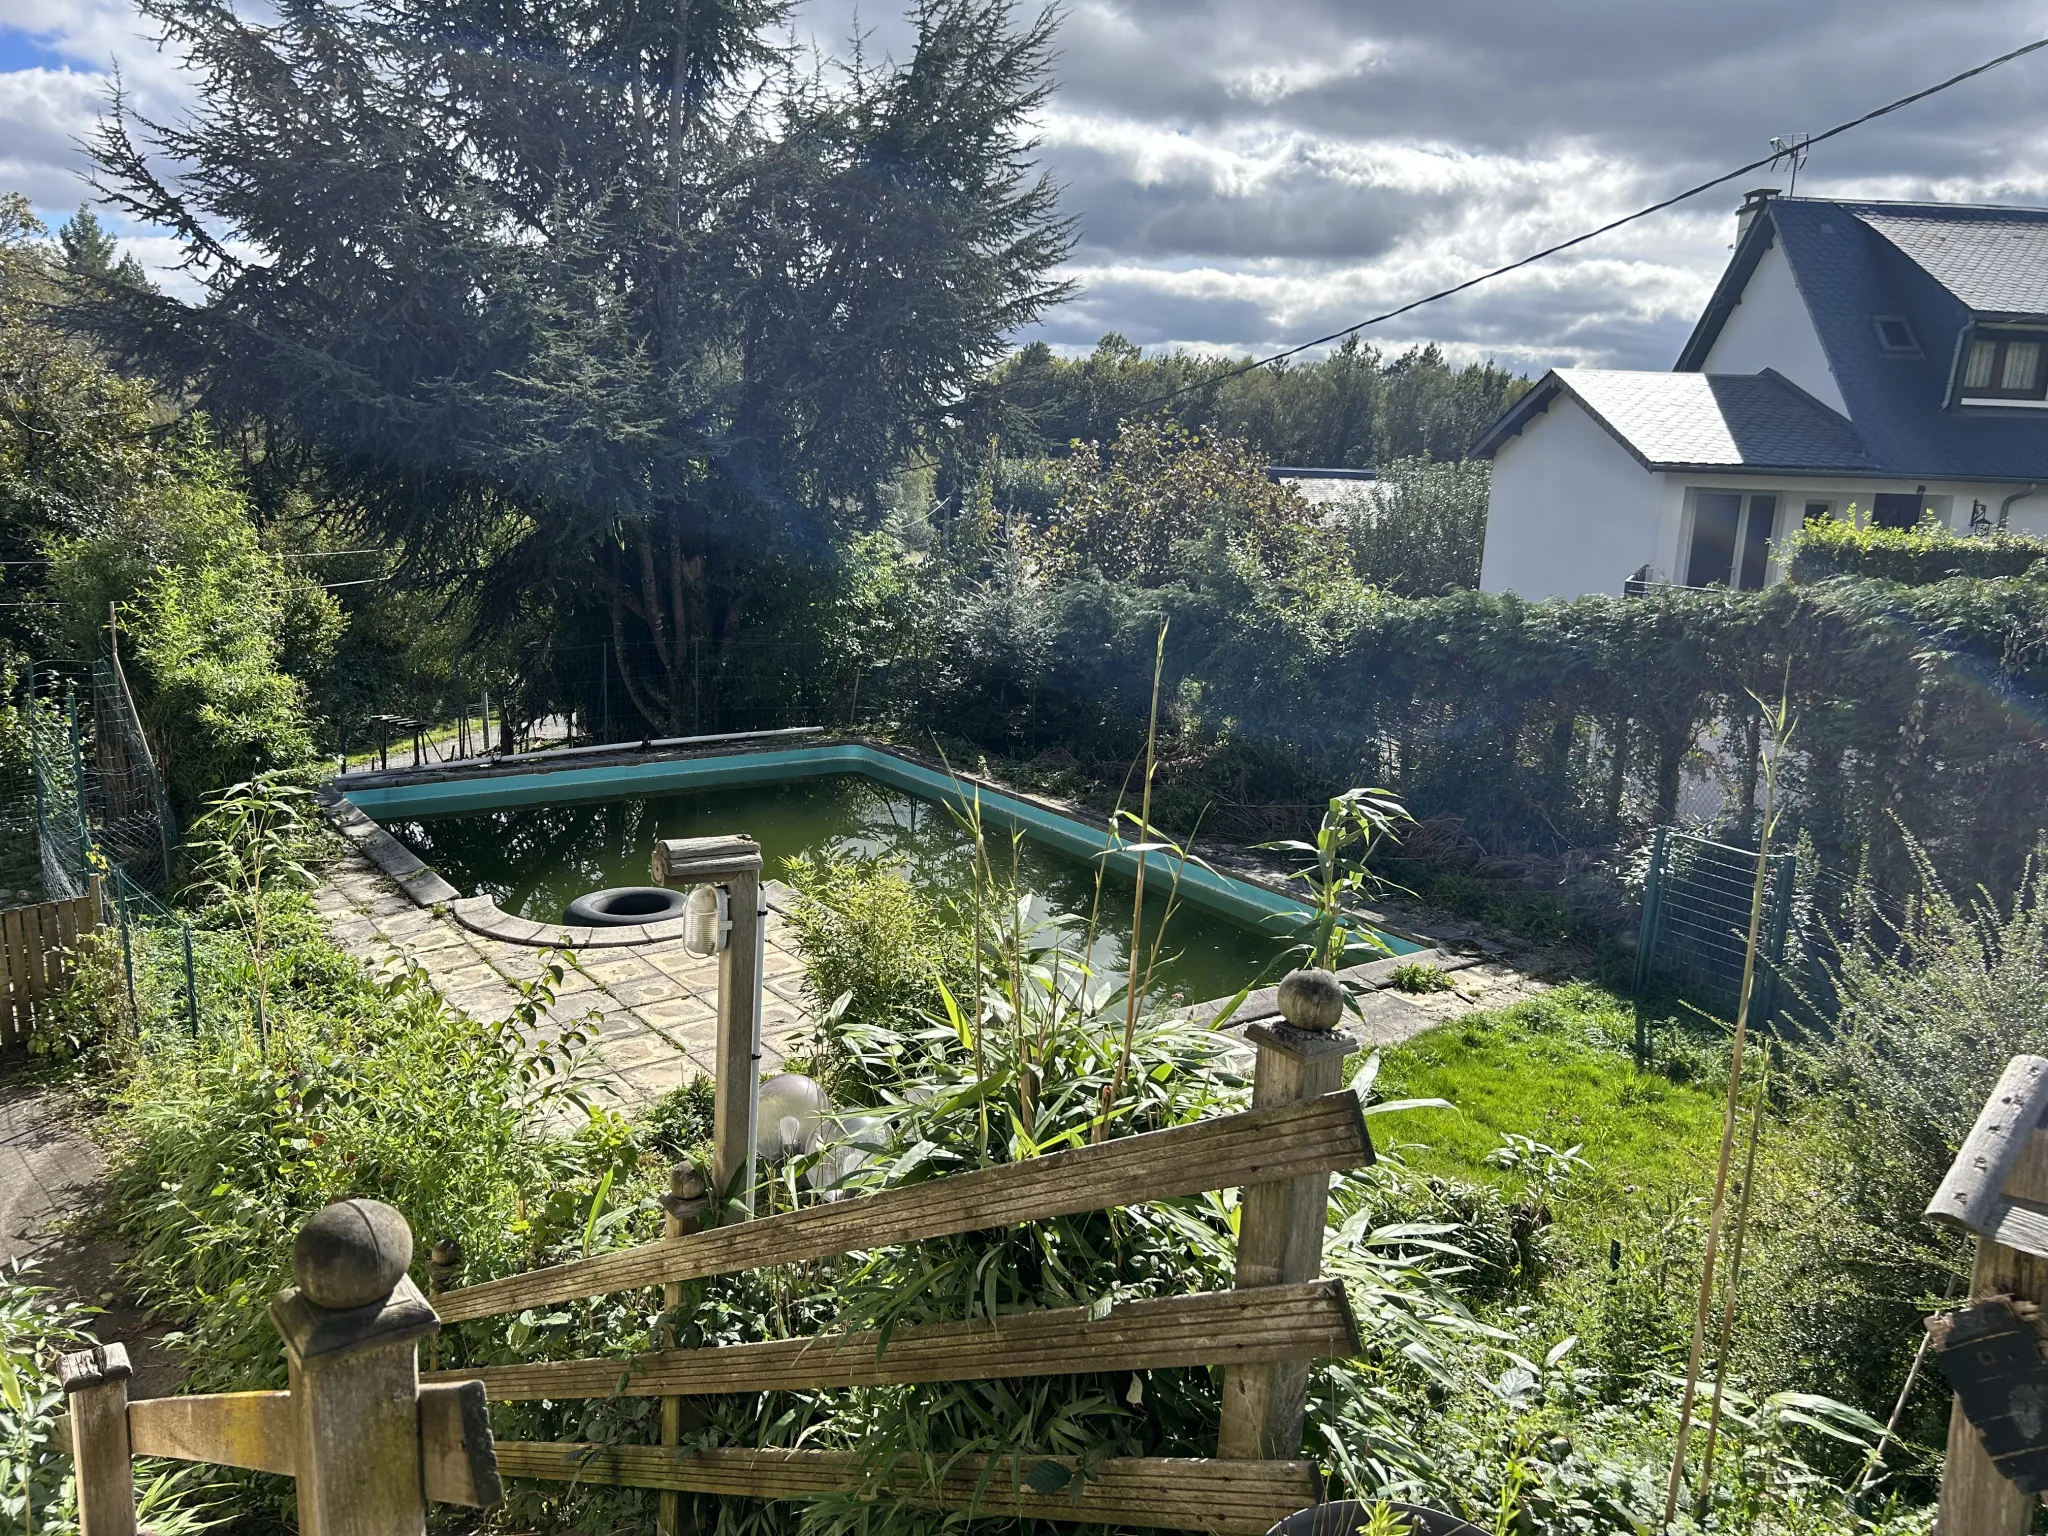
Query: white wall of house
x=1571, y=510
x=1770, y=328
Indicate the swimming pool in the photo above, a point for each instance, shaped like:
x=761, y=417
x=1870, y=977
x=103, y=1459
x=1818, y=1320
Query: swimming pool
x=534, y=840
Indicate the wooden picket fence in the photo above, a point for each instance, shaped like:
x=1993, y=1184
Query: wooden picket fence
x=38, y=946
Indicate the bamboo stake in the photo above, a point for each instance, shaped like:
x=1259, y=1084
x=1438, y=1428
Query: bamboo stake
x=1123, y=1060
x=1781, y=729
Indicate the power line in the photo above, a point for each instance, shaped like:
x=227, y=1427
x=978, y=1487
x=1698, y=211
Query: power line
x=1777, y=154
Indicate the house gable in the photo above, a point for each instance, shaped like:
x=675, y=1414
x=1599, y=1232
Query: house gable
x=1571, y=508
x=1852, y=264
x=1768, y=326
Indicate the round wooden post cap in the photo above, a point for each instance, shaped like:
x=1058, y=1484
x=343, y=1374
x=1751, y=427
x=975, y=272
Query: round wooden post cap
x=1311, y=999
x=351, y=1254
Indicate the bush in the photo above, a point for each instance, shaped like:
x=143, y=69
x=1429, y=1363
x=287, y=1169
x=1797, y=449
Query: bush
x=1420, y=529
x=870, y=936
x=206, y=616
x=1933, y=1006
x=1916, y=557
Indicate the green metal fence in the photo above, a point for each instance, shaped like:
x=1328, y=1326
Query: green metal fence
x=1695, y=928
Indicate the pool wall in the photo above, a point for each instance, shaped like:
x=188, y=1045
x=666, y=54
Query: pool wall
x=502, y=785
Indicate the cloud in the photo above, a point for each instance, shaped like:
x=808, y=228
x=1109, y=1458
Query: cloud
x=1246, y=177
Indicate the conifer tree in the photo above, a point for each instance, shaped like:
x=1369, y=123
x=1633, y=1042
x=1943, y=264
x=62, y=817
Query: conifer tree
x=602, y=304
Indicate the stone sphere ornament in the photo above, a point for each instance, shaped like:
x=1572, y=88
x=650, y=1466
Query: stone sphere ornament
x=351, y=1254
x=1311, y=999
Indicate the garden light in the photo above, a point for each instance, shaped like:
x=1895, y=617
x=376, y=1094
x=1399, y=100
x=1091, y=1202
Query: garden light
x=707, y=920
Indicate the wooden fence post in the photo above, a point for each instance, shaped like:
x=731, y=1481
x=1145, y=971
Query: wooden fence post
x=351, y=1329
x=96, y=1382
x=682, y=1214
x=735, y=864
x=1280, y=1224
x=2004, y=1160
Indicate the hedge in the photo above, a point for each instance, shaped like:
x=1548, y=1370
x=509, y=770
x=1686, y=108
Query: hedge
x=1552, y=727
x=1915, y=556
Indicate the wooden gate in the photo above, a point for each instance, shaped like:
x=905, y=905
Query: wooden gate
x=38, y=948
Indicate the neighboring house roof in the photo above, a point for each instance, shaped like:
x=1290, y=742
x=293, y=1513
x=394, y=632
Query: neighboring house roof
x=1319, y=486
x=1698, y=421
x=1942, y=267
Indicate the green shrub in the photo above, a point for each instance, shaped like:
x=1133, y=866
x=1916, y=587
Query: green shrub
x=206, y=616
x=1917, y=557
x=1932, y=1009
x=870, y=936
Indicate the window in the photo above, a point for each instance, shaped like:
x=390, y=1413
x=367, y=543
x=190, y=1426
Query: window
x=2003, y=365
x=1819, y=511
x=1895, y=337
x=1731, y=539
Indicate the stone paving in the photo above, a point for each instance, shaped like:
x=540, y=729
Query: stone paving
x=653, y=1006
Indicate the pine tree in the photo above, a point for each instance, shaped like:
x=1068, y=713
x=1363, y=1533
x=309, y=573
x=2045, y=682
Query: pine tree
x=570, y=302
x=94, y=255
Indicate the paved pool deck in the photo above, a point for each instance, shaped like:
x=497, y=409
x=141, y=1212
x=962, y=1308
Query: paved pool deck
x=653, y=1007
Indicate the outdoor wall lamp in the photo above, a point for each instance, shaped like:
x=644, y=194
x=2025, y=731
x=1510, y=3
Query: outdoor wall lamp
x=707, y=920
x=726, y=914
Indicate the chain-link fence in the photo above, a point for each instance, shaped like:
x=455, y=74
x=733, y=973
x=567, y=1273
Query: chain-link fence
x=96, y=783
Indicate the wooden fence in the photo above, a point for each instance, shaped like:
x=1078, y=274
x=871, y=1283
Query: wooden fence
x=37, y=949
x=1264, y=1334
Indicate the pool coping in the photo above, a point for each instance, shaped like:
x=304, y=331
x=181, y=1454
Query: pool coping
x=741, y=757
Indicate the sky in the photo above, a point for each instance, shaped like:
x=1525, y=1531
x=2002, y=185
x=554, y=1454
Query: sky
x=1246, y=176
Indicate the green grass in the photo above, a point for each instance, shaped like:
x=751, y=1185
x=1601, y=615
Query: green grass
x=1556, y=1068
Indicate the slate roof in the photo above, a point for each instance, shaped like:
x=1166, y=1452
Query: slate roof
x=1699, y=421
x=1943, y=267
x=1994, y=260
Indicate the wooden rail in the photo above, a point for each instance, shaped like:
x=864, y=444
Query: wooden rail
x=37, y=949
x=1288, y=1141
x=369, y=1444
x=1296, y=1322
x=1229, y=1498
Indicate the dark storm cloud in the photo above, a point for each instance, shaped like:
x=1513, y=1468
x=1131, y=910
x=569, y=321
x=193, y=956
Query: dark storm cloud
x=1267, y=144
x=1246, y=176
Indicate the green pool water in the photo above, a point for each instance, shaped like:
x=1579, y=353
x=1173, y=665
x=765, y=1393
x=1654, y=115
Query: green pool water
x=535, y=859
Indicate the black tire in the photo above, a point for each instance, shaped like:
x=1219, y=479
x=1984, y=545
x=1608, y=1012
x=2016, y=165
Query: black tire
x=625, y=906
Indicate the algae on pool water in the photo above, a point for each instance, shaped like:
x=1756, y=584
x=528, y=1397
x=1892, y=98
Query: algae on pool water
x=534, y=860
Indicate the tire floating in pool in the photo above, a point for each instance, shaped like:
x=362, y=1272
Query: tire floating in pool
x=626, y=906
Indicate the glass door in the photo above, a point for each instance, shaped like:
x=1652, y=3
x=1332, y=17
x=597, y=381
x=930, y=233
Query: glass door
x=1731, y=539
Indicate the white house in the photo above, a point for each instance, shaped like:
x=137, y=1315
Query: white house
x=1893, y=356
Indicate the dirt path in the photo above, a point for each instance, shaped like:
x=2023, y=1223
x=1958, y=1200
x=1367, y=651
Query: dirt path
x=52, y=1179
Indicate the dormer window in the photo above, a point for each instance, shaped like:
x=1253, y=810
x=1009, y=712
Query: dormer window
x=2004, y=365
x=1895, y=337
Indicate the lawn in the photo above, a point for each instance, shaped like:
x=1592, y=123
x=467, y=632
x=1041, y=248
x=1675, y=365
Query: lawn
x=1556, y=1068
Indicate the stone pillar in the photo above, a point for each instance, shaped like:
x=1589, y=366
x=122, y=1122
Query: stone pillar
x=351, y=1330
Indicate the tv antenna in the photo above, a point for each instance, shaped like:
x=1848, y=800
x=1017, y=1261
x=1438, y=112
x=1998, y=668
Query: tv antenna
x=1789, y=149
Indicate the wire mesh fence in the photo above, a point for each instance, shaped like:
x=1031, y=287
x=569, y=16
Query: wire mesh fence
x=1697, y=912
x=96, y=785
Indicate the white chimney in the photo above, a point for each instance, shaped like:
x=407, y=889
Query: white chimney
x=1752, y=200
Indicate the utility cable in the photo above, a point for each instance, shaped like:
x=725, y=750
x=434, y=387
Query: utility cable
x=1592, y=234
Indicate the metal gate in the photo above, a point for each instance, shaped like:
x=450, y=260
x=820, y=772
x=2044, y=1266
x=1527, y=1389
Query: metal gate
x=1696, y=903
